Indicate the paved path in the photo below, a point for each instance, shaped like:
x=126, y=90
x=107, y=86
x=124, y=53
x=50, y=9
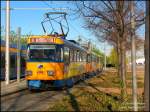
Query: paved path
x=14, y=86
x=30, y=101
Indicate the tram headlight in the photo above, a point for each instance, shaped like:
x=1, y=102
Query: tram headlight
x=50, y=73
x=28, y=72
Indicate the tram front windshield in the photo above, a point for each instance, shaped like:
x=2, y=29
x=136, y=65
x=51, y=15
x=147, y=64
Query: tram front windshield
x=45, y=52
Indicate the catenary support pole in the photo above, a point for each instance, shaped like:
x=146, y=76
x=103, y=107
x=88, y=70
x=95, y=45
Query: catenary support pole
x=133, y=58
x=18, y=53
x=146, y=52
x=7, y=69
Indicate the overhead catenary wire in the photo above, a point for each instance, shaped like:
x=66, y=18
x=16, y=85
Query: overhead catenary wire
x=36, y=8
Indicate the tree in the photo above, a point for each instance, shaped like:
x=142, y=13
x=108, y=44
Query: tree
x=2, y=33
x=110, y=20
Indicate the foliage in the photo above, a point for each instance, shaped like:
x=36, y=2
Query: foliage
x=13, y=37
x=113, y=57
x=98, y=52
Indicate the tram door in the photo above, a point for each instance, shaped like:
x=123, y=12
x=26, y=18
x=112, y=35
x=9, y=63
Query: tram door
x=66, y=60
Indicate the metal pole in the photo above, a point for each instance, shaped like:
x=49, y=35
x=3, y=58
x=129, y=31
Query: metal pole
x=133, y=58
x=7, y=42
x=18, y=53
x=146, y=52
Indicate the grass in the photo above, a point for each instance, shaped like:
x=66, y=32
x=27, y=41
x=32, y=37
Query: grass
x=139, y=85
x=90, y=98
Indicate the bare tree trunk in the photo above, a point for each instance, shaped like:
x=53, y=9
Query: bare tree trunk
x=121, y=52
x=146, y=80
x=119, y=57
x=123, y=71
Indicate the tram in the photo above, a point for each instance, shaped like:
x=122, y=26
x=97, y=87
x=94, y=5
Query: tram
x=54, y=61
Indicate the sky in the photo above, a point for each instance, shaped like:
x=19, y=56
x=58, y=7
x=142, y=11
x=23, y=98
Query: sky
x=30, y=20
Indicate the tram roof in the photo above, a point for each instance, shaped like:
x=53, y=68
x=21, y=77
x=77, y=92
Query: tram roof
x=73, y=45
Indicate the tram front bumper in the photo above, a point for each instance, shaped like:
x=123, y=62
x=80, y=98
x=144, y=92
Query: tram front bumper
x=34, y=83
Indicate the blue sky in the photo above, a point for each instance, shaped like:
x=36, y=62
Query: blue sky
x=30, y=20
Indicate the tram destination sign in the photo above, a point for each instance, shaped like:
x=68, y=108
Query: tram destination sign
x=42, y=40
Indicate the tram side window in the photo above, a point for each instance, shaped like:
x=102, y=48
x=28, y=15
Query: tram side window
x=78, y=56
x=23, y=62
x=84, y=57
x=2, y=61
x=94, y=58
x=66, y=55
x=59, y=54
x=88, y=58
x=81, y=57
x=97, y=59
x=75, y=55
x=91, y=58
x=71, y=55
x=13, y=61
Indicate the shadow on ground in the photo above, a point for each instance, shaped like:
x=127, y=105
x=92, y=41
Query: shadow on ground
x=73, y=101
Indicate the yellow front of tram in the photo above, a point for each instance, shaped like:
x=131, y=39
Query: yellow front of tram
x=44, y=66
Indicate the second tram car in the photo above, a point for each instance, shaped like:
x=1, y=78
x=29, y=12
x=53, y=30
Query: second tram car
x=13, y=60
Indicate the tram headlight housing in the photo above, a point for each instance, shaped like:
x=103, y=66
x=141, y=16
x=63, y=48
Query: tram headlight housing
x=50, y=73
x=28, y=72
